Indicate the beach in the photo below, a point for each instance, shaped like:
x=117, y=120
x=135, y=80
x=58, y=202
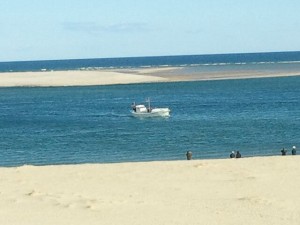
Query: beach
x=258, y=190
x=124, y=76
x=71, y=78
x=44, y=126
x=136, y=113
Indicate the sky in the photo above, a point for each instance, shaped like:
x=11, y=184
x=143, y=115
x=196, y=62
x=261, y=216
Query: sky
x=77, y=29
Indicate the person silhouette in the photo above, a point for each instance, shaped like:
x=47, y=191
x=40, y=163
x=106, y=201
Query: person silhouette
x=232, y=155
x=189, y=155
x=283, y=152
x=238, y=154
x=294, y=150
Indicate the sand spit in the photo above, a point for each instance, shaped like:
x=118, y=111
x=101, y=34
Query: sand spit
x=123, y=76
x=72, y=78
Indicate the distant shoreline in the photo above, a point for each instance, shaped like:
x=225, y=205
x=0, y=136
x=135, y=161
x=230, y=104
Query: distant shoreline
x=124, y=76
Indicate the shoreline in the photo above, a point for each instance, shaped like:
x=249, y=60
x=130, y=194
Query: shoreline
x=255, y=190
x=123, y=76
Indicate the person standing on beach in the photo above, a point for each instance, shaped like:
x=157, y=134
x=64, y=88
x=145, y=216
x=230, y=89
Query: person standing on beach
x=283, y=152
x=294, y=150
x=188, y=155
x=232, y=155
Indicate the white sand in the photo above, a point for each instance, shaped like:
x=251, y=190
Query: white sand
x=72, y=78
x=258, y=191
x=123, y=76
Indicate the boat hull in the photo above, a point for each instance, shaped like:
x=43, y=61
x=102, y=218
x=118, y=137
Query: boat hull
x=158, y=112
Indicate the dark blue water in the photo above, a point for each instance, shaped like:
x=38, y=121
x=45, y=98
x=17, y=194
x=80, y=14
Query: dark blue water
x=157, y=61
x=93, y=124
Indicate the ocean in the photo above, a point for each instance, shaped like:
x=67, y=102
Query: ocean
x=186, y=61
x=92, y=124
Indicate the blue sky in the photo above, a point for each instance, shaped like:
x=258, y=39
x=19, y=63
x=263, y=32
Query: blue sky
x=68, y=29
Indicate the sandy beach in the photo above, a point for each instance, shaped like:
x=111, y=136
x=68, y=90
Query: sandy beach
x=122, y=76
x=262, y=190
x=72, y=78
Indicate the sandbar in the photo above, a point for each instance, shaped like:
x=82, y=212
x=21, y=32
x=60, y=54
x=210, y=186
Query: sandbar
x=125, y=76
x=258, y=190
x=72, y=78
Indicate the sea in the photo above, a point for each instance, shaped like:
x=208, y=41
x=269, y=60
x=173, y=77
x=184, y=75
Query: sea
x=93, y=124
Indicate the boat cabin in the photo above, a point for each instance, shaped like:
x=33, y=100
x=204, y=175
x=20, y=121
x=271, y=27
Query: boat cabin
x=140, y=109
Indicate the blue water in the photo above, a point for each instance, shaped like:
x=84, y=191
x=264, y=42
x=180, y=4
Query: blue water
x=65, y=125
x=157, y=61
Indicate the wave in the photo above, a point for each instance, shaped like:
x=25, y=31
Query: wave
x=109, y=115
x=242, y=63
x=150, y=62
x=289, y=62
x=145, y=66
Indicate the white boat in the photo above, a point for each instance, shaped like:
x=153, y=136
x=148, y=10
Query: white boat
x=143, y=111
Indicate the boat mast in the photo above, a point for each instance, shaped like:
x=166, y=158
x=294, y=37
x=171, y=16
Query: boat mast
x=148, y=100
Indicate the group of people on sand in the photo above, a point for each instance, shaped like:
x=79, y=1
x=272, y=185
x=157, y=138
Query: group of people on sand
x=235, y=155
x=284, y=151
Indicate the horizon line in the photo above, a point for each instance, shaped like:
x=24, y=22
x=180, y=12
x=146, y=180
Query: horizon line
x=149, y=56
